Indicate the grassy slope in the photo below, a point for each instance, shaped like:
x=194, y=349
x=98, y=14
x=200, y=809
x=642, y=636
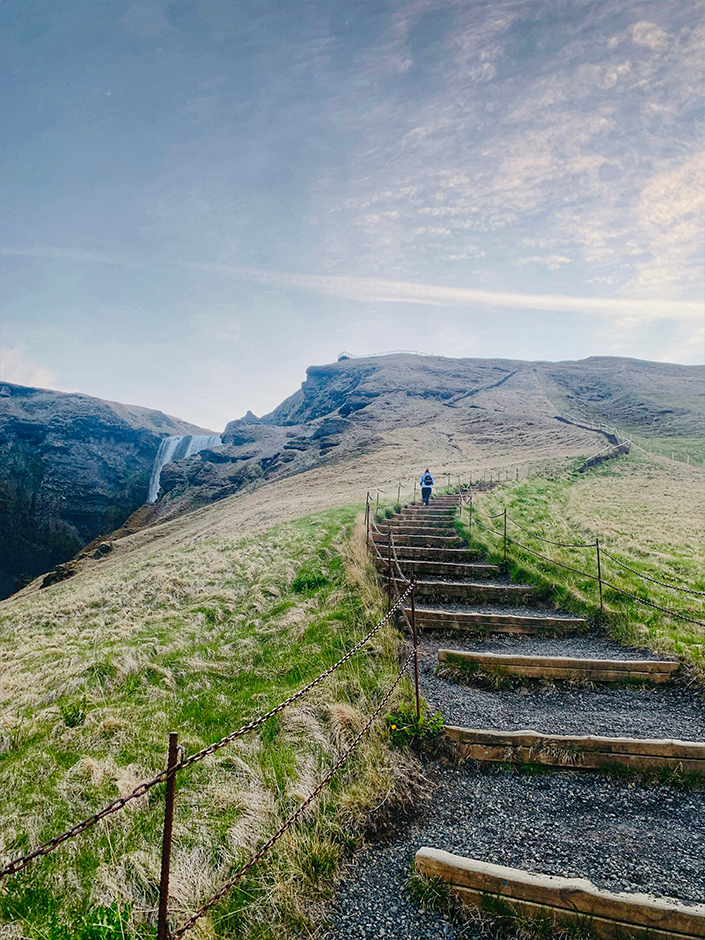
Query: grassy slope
x=198, y=640
x=648, y=513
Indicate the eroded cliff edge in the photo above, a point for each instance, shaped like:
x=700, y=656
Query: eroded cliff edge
x=74, y=467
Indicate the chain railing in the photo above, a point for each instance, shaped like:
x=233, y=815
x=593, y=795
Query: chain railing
x=600, y=552
x=175, y=765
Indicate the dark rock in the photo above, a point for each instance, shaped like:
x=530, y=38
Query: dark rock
x=102, y=549
x=59, y=573
x=74, y=467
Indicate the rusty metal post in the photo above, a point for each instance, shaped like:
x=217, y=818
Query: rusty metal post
x=377, y=506
x=162, y=923
x=414, y=491
x=470, y=516
x=399, y=494
x=517, y=473
x=367, y=519
x=505, y=537
x=389, y=561
x=599, y=573
x=416, y=647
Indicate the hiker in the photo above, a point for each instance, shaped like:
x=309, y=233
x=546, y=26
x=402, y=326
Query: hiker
x=426, y=482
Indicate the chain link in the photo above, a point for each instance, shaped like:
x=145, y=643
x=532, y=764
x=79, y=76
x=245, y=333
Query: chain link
x=646, y=577
x=45, y=848
x=211, y=903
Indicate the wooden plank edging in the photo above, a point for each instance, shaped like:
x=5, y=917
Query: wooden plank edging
x=612, y=912
x=578, y=751
x=559, y=667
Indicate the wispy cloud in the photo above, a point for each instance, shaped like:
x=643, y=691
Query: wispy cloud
x=371, y=290
x=378, y=290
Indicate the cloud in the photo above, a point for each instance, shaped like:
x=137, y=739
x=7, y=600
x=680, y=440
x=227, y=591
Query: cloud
x=16, y=368
x=378, y=290
x=367, y=289
x=649, y=34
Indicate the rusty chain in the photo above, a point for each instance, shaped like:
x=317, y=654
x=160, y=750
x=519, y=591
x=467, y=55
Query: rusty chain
x=191, y=922
x=541, y=538
x=586, y=574
x=46, y=848
x=673, y=587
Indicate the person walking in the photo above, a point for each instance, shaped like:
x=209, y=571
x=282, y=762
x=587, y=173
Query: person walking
x=426, y=482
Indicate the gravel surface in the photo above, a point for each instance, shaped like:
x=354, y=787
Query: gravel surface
x=585, y=646
x=670, y=711
x=622, y=837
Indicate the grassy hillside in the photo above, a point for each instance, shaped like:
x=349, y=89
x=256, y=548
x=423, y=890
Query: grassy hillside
x=197, y=639
x=648, y=513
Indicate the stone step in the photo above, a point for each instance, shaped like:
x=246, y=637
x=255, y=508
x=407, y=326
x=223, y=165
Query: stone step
x=475, y=591
x=447, y=569
x=578, y=752
x=427, y=541
x=559, y=667
x=606, y=914
x=498, y=621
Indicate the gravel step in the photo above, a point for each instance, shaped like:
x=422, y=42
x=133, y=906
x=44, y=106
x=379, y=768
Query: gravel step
x=454, y=555
x=506, y=593
x=497, y=620
x=621, y=836
x=448, y=569
x=427, y=541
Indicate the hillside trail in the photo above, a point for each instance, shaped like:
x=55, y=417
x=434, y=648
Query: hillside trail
x=623, y=834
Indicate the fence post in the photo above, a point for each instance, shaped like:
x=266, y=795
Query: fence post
x=505, y=536
x=389, y=562
x=162, y=923
x=416, y=646
x=599, y=573
x=470, y=516
x=414, y=491
x=367, y=519
x=398, y=494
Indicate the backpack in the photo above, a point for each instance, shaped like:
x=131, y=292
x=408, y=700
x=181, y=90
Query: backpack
x=427, y=479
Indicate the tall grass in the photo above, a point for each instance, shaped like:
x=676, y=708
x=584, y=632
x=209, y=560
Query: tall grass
x=649, y=517
x=198, y=640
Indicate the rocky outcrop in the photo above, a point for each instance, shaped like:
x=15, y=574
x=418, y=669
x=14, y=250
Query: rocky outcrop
x=74, y=467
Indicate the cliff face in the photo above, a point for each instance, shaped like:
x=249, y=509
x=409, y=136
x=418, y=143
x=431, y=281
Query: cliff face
x=74, y=467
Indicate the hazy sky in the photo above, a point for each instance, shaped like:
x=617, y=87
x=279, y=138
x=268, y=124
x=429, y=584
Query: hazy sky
x=203, y=197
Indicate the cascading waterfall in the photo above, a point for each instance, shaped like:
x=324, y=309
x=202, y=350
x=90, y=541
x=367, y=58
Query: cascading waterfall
x=178, y=448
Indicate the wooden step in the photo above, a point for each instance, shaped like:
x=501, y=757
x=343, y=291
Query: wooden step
x=426, y=541
x=608, y=914
x=579, y=752
x=558, y=667
x=453, y=555
x=496, y=622
x=398, y=530
x=448, y=569
x=475, y=591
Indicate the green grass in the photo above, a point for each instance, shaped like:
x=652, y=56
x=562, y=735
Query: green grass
x=197, y=640
x=651, y=522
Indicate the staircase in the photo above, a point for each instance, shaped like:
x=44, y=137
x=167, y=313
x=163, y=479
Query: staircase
x=459, y=592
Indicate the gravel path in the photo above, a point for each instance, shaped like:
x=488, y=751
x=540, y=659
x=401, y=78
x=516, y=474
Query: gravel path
x=669, y=711
x=623, y=837
x=653, y=842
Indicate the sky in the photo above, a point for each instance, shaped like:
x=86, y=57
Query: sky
x=203, y=197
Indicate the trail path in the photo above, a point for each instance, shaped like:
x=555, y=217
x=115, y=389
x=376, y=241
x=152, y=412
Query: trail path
x=623, y=836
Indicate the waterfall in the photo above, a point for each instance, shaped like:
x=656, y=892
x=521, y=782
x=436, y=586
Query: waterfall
x=178, y=448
